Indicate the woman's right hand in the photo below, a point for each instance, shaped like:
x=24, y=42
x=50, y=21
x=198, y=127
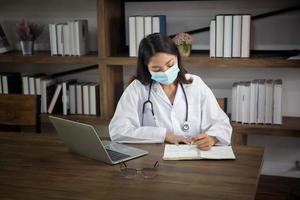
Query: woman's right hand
x=175, y=139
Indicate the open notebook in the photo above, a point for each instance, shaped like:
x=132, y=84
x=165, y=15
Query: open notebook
x=191, y=152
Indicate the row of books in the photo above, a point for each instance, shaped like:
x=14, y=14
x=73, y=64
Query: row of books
x=141, y=26
x=67, y=97
x=69, y=39
x=230, y=36
x=71, y=97
x=257, y=102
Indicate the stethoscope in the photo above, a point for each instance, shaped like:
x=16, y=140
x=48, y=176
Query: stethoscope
x=185, y=125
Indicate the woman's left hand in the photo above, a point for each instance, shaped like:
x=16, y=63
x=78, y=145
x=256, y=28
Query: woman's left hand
x=203, y=141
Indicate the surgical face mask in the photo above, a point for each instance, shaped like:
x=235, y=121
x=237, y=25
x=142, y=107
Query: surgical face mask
x=167, y=77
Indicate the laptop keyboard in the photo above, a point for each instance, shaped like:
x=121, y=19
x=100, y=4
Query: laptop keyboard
x=115, y=156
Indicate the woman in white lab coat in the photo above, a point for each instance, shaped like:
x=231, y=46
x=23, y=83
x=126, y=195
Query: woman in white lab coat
x=165, y=104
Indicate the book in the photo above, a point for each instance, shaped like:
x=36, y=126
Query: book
x=245, y=46
x=81, y=37
x=159, y=24
x=269, y=102
x=228, y=36
x=60, y=39
x=277, y=103
x=253, y=101
x=148, y=25
x=48, y=89
x=191, y=152
x=219, y=36
x=72, y=98
x=66, y=42
x=234, y=102
x=236, y=36
x=132, y=37
x=4, y=43
x=94, y=99
x=86, y=99
x=56, y=102
x=72, y=38
x=53, y=39
x=212, y=39
x=79, y=104
x=239, y=101
x=245, y=102
x=261, y=102
x=1, y=91
x=25, y=84
x=139, y=31
x=65, y=95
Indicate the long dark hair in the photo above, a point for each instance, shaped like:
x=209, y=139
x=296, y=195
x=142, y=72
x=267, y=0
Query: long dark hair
x=150, y=45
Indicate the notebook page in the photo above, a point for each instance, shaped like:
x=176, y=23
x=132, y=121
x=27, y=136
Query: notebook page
x=181, y=152
x=218, y=152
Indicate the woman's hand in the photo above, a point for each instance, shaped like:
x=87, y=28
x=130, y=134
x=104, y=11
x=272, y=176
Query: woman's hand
x=203, y=141
x=175, y=139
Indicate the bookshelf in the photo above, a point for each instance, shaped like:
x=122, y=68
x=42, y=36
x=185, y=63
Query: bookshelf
x=44, y=57
x=112, y=58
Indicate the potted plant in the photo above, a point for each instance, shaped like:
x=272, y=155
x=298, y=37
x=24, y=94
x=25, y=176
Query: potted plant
x=27, y=33
x=184, y=43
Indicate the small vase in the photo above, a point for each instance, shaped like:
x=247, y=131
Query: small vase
x=27, y=47
x=185, y=50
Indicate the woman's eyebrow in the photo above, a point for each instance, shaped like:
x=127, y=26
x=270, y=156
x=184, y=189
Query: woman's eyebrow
x=165, y=64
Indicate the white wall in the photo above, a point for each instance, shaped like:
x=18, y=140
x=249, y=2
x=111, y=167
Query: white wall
x=275, y=33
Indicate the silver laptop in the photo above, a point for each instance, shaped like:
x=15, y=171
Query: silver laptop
x=84, y=139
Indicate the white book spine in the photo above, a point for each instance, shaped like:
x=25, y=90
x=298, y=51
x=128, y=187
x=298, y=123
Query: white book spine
x=236, y=36
x=277, y=104
x=44, y=96
x=139, y=21
x=93, y=102
x=253, y=102
x=1, y=91
x=54, y=99
x=81, y=35
x=79, y=99
x=25, y=85
x=32, y=90
x=155, y=24
x=219, y=36
x=76, y=38
x=269, y=102
x=212, y=39
x=132, y=37
x=4, y=84
x=246, y=25
x=148, y=25
x=64, y=98
x=239, y=103
x=38, y=89
x=66, y=35
x=233, y=102
x=228, y=36
x=53, y=39
x=261, y=102
x=86, y=103
x=60, y=39
x=72, y=98
x=71, y=37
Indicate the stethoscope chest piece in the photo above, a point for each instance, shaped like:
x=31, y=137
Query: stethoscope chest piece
x=185, y=126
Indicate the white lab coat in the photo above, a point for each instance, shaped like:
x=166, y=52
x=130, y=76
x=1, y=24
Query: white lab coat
x=203, y=110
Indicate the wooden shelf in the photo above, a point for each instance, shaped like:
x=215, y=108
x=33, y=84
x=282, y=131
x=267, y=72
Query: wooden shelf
x=96, y=120
x=290, y=127
x=203, y=60
x=44, y=57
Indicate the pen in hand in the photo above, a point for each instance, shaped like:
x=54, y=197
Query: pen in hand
x=204, y=131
